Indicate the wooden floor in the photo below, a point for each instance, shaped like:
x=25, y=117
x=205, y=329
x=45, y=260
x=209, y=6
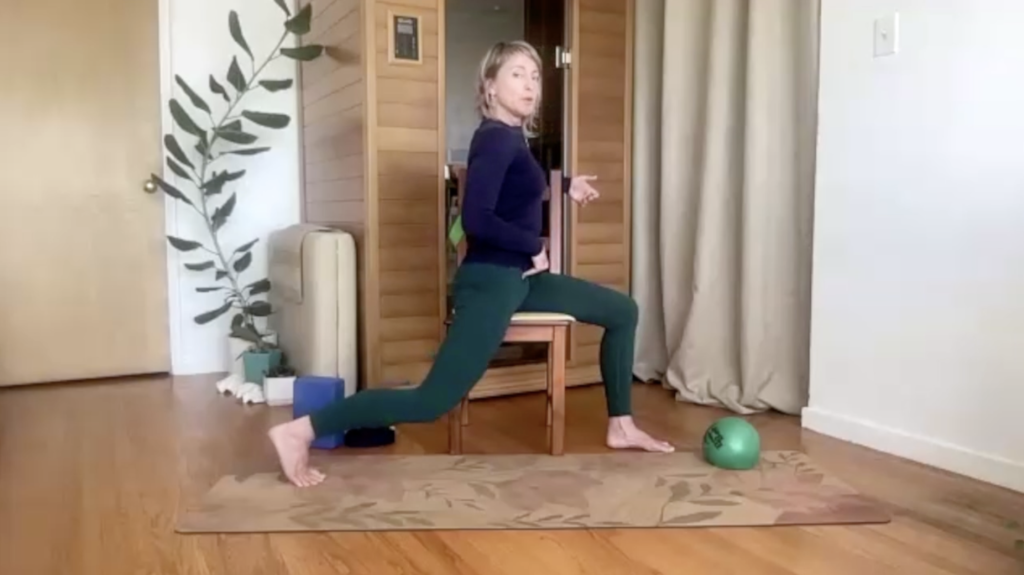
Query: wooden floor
x=91, y=476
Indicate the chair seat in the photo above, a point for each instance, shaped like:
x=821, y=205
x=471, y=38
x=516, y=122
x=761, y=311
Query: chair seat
x=533, y=318
x=536, y=317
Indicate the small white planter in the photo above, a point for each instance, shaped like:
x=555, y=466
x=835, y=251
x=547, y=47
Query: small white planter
x=279, y=390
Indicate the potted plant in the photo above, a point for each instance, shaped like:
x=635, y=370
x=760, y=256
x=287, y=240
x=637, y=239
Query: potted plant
x=222, y=133
x=279, y=384
x=259, y=360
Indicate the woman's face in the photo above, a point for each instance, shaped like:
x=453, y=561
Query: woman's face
x=516, y=88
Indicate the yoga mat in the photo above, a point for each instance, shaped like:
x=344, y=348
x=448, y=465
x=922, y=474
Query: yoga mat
x=575, y=491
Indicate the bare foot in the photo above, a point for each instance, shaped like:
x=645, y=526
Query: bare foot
x=291, y=440
x=624, y=434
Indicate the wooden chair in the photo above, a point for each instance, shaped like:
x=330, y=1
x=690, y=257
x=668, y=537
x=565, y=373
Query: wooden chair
x=530, y=327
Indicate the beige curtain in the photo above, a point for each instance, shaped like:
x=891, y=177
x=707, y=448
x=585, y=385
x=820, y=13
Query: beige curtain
x=723, y=178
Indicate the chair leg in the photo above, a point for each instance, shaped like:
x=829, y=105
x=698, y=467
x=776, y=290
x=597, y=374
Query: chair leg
x=556, y=365
x=465, y=410
x=455, y=430
x=547, y=376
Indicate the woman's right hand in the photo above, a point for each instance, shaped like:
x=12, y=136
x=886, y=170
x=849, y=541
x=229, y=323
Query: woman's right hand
x=540, y=263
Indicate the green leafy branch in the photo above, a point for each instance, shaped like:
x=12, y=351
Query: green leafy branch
x=216, y=139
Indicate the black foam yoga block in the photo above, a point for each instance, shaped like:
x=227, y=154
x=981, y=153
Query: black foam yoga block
x=370, y=437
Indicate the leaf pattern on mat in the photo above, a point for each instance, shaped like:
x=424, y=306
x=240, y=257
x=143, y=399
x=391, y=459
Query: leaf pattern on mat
x=369, y=493
x=680, y=491
x=714, y=502
x=692, y=518
x=483, y=490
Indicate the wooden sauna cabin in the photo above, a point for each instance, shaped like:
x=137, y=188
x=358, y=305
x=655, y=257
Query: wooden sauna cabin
x=385, y=127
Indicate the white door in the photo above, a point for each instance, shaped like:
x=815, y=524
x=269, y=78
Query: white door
x=83, y=287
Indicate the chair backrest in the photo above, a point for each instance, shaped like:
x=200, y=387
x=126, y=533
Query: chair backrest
x=555, y=198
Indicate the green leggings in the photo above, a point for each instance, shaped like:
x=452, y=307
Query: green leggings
x=485, y=297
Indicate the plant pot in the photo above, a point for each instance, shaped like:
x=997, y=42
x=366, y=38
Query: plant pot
x=279, y=390
x=258, y=363
x=237, y=347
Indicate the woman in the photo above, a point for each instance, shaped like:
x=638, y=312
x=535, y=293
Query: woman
x=504, y=271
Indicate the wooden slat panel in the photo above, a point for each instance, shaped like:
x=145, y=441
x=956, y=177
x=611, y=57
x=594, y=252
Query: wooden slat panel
x=344, y=211
x=600, y=253
x=617, y=7
x=426, y=72
x=405, y=282
x=408, y=259
x=418, y=304
x=408, y=164
x=345, y=103
x=417, y=116
x=600, y=236
x=341, y=52
x=597, y=44
x=588, y=354
x=344, y=168
x=350, y=189
x=334, y=145
x=606, y=172
x=327, y=85
x=408, y=328
x=599, y=233
x=327, y=15
x=405, y=352
x=428, y=20
x=409, y=92
x=413, y=373
x=415, y=188
x=410, y=235
x=589, y=334
x=408, y=103
x=609, y=25
x=406, y=140
x=407, y=212
x=602, y=273
x=609, y=129
x=348, y=122
x=602, y=152
x=605, y=210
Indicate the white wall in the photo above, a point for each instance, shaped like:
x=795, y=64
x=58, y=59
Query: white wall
x=473, y=27
x=195, y=43
x=918, y=305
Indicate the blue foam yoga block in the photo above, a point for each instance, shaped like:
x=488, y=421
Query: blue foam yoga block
x=312, y=393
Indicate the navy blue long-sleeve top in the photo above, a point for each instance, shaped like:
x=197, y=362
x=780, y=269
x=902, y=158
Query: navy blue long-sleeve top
x=503, y=203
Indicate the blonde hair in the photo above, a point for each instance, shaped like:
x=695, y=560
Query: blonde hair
x=492, y=62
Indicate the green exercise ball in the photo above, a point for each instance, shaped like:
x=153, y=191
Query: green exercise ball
x=732, y=443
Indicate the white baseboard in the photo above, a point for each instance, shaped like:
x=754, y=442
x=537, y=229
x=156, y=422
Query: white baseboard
x=981, y=466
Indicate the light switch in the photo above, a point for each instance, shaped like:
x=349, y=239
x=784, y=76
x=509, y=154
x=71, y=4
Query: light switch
x=887, y=35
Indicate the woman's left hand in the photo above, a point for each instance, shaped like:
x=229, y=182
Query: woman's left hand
x=581, y=191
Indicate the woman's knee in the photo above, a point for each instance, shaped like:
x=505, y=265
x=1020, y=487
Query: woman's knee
x=626, y=311
x=433, y=406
